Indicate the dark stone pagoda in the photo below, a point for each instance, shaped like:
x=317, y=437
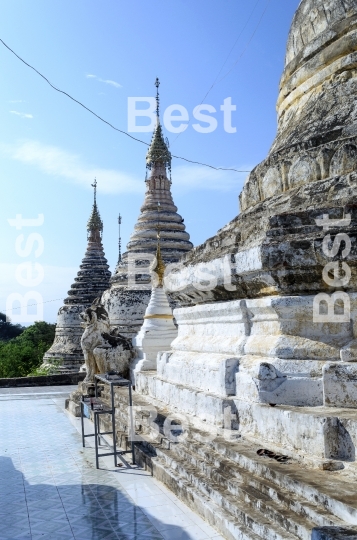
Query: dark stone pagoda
x=91, y=281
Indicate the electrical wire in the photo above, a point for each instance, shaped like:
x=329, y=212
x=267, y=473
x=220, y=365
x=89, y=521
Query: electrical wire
x=108, y=123
x=243, y=52
x=249, y=42
x=30, y=305
x=230, y=52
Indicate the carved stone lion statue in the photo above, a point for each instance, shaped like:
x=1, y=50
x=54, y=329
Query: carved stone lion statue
x=102, y=350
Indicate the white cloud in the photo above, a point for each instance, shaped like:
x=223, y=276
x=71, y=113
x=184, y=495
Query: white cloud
x=57, y=162
x=22, y=115
x=105, y=81
x=197, y=178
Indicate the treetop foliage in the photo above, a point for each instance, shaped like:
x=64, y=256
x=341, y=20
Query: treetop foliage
x=22, y=349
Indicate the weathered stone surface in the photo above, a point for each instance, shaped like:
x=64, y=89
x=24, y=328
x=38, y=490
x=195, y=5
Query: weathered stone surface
x=103, y=351
x=42, y=380
x=244, y=496
x=92, y=279
x=261, y=253
x=317, y=113
x=340, y=385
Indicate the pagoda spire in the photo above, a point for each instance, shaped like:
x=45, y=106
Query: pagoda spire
x=157, y=84
x=95, y=223
x=159, y=230
x=158, y=155
x=119, y=241
x=91, y=281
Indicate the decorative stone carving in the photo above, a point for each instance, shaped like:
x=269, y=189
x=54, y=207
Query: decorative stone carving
x=324, y=159
x=317, y=109
x=344, y=161
x=304, y=170
x=102, y=351
x=271, y=183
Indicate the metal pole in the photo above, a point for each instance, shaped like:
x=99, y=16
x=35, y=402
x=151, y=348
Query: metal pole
x=119, y=257
x=96, y=440
x=113, y=424
x=131, y=424
x=82, y=424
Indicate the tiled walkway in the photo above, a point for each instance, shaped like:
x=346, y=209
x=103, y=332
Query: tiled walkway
x=50, y=489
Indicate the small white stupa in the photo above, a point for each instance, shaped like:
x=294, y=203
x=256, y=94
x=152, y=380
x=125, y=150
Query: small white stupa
x=158, y=331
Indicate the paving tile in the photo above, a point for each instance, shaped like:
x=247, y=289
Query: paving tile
x=189, y=533
x=67, y=498
x=13, y=530
x=13, y=508
x=20, y=536
x=162, y=512
x=153, y=500
x=144, y=490
x=172, y=521
x=65, y=535
x=207, y=529
x=42, y=504
x=93, y=535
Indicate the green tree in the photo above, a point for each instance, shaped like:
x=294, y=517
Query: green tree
x=9, y=330
x=23, y=354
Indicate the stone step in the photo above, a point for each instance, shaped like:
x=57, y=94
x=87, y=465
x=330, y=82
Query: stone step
x=275, y=501
x=216, y=516
x=293, y=513
x=265, y=520
x=247, y=505
x=235, y=477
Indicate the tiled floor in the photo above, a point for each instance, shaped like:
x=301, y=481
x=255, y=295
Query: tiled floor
x=50, y=489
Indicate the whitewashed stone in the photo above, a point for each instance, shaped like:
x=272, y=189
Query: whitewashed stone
x=340, y=385
x=156, y=334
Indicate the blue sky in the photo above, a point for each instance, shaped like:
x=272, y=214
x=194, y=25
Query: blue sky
x=102, y=53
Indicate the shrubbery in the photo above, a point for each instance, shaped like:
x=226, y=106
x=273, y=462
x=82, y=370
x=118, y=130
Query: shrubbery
x=22, y=349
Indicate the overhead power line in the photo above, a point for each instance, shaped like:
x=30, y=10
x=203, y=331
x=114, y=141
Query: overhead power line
x=217, y=80
x=30, y=305
x=249, y=42
x=230, y=52
x=108, y=123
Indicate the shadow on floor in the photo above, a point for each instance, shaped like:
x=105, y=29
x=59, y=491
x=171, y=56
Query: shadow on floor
x=64, y=510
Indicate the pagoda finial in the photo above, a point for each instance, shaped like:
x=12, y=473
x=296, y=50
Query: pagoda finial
x=157, y=84
x=160, y=265
x=158, y=151
x=119, y=223
x=94, y=185
x=95, y=223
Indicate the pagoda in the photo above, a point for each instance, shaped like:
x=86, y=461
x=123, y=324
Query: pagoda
x=92, y=279
x=130, y=290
